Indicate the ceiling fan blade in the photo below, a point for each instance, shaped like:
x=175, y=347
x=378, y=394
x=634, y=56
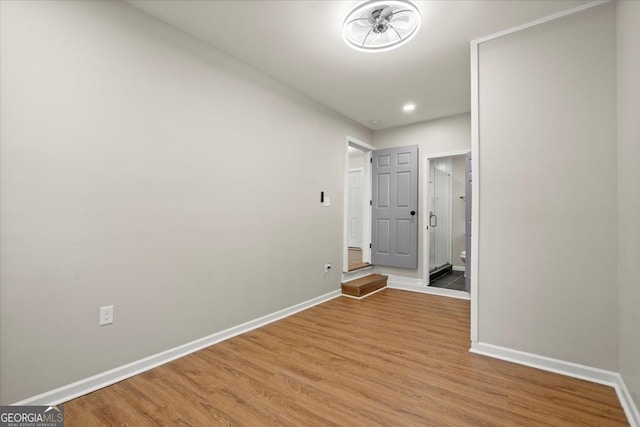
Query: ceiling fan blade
x=401, y=24
x=400, y=11
x=356, y=29
x=386, y=13
x=359, y=32
x=365, y=37
x=394, y=31
x=361, y=21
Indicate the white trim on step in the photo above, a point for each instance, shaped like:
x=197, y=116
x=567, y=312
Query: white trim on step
x=87, y=385
x=583, y=372
x=417, y=285
x=457, y=268
x=364, y=296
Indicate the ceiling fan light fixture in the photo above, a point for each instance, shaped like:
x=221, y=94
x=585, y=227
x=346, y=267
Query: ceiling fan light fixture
x=379, y=25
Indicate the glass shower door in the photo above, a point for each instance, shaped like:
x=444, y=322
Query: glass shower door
x=439, y=215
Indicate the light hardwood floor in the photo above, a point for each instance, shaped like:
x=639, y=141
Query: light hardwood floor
x=396, y=358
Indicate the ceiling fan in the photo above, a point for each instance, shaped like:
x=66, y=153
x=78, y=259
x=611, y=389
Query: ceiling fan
x=381, y=25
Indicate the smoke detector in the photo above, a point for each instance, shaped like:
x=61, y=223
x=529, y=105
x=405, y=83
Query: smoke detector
x=379, y=25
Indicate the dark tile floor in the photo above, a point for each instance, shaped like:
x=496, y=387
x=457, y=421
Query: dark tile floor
x=453, y=280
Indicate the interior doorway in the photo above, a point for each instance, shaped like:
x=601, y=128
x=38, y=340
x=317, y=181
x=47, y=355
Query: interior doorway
x=447, y=213
x=357, y=209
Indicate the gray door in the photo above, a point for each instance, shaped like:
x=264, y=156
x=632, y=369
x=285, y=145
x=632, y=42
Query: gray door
x=467, y=217
x=395, y=207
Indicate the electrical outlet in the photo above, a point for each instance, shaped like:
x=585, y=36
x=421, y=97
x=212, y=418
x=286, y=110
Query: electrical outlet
x=106, y=315
x=327, y=267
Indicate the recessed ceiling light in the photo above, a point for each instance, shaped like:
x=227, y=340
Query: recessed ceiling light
x=408, y=107
x=379, y=25
x=375, y=122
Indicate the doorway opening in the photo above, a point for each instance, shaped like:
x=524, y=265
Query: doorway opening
x=357, y=209
x=448, y=221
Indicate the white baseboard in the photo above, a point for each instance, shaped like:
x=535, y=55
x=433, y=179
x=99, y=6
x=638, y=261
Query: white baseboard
x=404, y=281
x=364, y=296
x=457, y=268
x=417, y=285
x=87, y=385
x=627, y=403
x=583, y=372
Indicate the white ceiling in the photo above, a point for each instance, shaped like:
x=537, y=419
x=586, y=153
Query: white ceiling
x=300, y=43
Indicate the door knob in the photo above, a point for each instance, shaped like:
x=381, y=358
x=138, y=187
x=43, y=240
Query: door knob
x=413, y=213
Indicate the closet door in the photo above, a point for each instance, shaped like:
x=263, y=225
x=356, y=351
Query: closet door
x=395, y=207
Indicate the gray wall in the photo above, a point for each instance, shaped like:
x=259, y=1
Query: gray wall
x=628, y=50
x=548, y=234
x=432, y=137
x=142, y=168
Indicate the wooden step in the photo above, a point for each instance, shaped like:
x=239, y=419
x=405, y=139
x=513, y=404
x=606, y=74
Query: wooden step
x=364, y=285
x=358, y=266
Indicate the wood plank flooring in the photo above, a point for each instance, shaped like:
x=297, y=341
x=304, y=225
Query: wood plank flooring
x=396, y=358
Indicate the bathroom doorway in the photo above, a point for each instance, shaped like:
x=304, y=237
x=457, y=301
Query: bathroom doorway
x=447, y=207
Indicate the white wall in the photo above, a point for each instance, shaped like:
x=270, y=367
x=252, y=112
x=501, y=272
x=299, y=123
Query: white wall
x=432, y=137
x=144, y=169
x=548, y=233
x=628, y=50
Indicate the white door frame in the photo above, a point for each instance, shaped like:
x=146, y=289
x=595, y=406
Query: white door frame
x=350, y=141
x=425, y=210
